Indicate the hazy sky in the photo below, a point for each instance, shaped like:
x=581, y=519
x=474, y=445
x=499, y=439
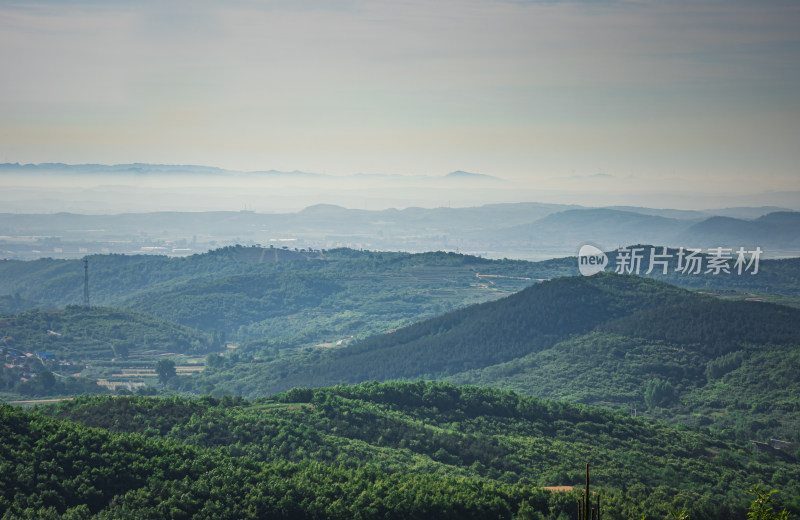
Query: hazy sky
x=688, y=96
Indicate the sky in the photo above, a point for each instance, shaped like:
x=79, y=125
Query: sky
x=665, y=101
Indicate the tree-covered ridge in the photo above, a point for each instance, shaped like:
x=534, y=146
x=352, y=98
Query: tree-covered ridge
x=748, y=394
x=348, y=292
x=715, y=327
x=436, y=429
x=623, y=342
x=250, y=292
x=531, y=321
x=619, y=341
x=117, y=277
x=62, y=470
x=773, y=276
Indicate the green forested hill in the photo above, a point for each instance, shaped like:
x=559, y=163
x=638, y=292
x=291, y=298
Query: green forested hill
x=538, y=318
x=253, y=292
x=307, y=297
x=730, y=365
x=496, y=445
x=748, y=394
x=61, y=470
x=612, y=340
x=618, y=341
x=774, y=276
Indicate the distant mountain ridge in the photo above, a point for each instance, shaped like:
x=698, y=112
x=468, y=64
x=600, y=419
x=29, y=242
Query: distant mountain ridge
x=522, y=230
x=611, y=228
x=460, y=174
x=193, y=169
x=111, y=168
x=50, y=219
x=137, y=187
x=779, y=228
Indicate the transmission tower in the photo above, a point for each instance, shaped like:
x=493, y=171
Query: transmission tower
x=85, y=282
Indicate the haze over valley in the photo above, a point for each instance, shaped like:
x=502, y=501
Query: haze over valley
x=70, y=223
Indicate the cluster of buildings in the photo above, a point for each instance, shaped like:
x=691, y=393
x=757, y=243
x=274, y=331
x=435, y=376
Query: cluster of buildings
x=23, y=362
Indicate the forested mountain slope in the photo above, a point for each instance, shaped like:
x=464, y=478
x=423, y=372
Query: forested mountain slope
x=536, y=319
x=61, y=470
x=156, y=282
x=293, y=298
x=253, y=292
x=748, y=394
x=435, y=434
x=612, y=340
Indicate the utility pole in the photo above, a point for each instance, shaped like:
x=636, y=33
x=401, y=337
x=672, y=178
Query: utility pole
x=587, y=507
x=86, y=282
